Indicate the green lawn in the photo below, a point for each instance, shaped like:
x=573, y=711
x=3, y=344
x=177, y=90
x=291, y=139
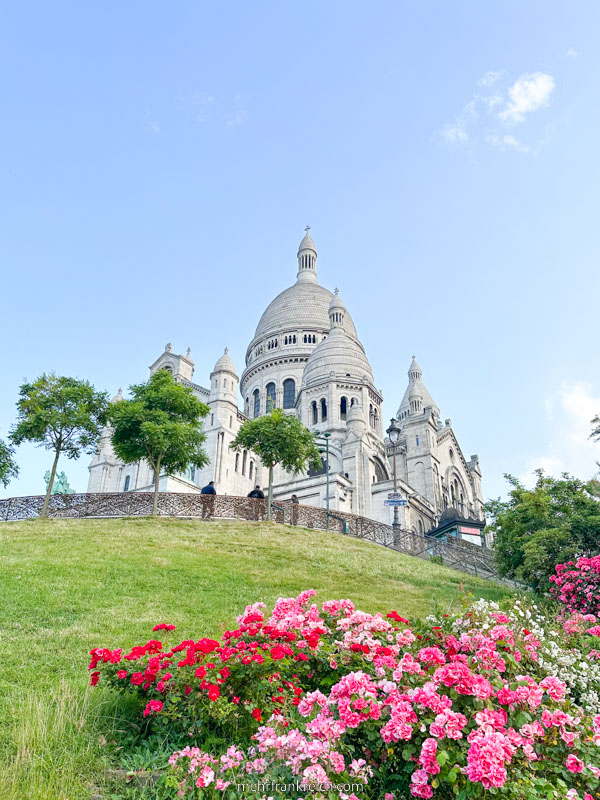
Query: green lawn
x=70, y=585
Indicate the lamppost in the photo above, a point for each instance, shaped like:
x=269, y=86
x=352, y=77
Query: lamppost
x=325, y=437
x=394, y=435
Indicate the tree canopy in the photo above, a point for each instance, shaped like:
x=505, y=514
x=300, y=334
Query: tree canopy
x=556, y=521
x=8, y=465
x=162, y=425
x=279, y=439
x=62, y=414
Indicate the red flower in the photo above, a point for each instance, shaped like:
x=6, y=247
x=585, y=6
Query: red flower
x=257, y=714
x=213, y=692
x=396, y=617
x=137, y=678
x=163, y=627
x=94, y=678
x=153, y=705
x=122, y=673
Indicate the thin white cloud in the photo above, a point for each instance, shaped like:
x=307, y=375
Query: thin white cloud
x=456, y=133
x=491, y=77
x=152, y=123
x=239, y=115
x=529, y=93
x=506, y=142
x=198, y=105
x=497, y=106
x=569, y=410
x=572, y=53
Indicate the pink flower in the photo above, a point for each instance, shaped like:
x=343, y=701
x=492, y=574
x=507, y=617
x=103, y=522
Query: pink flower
x=574, y=764
x=555, y=688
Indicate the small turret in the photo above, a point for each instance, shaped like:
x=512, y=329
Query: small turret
x=224, y=380
x=307, y=258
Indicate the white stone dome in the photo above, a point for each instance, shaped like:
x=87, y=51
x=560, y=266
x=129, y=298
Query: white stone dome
x=339, y=354
x=305, y=305
x=225, y=363
x=307, y=243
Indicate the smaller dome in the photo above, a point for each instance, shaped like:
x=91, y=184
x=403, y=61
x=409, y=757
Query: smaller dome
x=336, y=302
x=118, y=397
x=225, y=364
x=339, y=355
x=307, y=243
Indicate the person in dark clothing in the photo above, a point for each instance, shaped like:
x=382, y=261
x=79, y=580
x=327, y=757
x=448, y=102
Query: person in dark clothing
x=295, y=502
x=258, y=509
x=208, y=500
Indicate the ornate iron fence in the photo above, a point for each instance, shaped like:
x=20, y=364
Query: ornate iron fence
x=457, y=554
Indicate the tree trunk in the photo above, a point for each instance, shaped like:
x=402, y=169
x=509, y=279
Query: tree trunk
x=44, y=513
x=156, y=487
x=270, y=500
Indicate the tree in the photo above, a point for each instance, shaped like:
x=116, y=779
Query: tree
x=535, y=529
x=62, y=414
x=8, y=465
x=595, y=434
x=162, y=425
x=279, y=439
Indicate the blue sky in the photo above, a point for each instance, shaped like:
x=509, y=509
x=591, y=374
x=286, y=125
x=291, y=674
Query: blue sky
x=160, y=161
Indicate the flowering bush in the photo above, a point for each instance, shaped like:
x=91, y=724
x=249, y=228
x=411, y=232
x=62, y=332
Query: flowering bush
x=577, y=585
x=338, y=703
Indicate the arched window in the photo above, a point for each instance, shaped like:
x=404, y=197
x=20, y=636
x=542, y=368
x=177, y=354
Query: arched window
x=379, y=472
x=343, y=408
x=244, y=457
x=251, y=470
x=127, y=480
x=420, y=526
x=256, y=396
x=270, y=397
x=237, y=462
x=323, y=410
x=289, y=393
x=247, y=406
x=315, y=413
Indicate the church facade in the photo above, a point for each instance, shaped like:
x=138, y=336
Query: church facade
x=306, y=358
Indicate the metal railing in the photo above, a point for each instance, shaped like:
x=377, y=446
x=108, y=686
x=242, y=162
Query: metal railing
x=457, y=554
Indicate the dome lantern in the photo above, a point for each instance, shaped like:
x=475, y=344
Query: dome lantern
x=307, y=258
x=337, y=312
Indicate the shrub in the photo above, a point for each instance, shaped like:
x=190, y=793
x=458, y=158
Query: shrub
x=577, y=584
x=338, y=703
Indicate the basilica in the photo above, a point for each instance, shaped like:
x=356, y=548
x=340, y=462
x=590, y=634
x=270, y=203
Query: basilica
x=306, y=358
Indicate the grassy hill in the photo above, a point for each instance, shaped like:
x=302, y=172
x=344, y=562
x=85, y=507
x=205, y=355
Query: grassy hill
x=70, y=585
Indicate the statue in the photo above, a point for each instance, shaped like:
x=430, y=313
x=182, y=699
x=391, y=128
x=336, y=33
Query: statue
x=60, y=485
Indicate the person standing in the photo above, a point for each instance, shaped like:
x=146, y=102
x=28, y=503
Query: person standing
x=257, y=508
x=295, y=503
x=208, y=495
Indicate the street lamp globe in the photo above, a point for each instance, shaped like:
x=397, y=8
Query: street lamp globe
x=393, y=431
